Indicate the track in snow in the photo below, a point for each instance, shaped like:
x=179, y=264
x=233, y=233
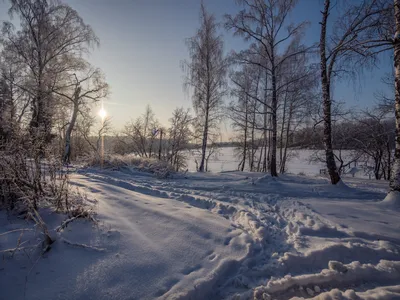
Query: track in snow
x=282, y=231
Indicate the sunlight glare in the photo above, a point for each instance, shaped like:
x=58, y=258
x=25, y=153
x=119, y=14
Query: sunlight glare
x=102, y=113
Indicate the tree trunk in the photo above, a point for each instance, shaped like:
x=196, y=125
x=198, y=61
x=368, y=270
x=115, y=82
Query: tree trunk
x=274, y=105
x=204, y=145
x=160, y=146
x=71, y=125
x=67, y=149
x=253, y=125
x=245, y=136
x=268, y=156
x=260, y=158
x=266, y=141
x=389, y=164
x=283, y=162
x=325, y=82
x=395, y=177
x=252, y=139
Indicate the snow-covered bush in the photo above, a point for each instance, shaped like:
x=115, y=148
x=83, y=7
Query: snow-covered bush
x=160, y=168
x=27, y=183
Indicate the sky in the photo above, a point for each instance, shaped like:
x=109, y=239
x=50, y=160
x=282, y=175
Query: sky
x=142, y=45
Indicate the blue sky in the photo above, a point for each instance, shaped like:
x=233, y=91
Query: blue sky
x=143, y=43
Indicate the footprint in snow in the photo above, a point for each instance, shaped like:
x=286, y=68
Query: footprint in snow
x=227, y=241
x=212, y=256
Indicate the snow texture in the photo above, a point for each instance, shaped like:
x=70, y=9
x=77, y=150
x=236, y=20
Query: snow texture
x=230, y=235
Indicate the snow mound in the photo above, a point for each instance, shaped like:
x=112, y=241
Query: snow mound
x=268, y=180
x=392, y=200
x=381, y=293
x=337, y=276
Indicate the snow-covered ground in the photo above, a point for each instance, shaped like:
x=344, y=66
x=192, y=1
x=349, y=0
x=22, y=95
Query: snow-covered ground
x=224, y=160
x=228, y=235
x=299, y=162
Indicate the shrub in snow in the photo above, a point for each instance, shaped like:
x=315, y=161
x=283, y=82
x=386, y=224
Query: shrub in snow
x=161, y=168
x=27, y=186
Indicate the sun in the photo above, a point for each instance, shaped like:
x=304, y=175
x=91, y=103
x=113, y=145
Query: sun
x=102, y=113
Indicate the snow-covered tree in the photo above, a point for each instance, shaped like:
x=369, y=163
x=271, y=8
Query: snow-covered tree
x=206, y=76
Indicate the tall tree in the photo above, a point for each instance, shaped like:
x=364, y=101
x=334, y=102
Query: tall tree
x=206, y=70
x=263, y=22
x=354, y=41
x=179, y=134
x=395, y=177
x=239, y=112
x=50, y=38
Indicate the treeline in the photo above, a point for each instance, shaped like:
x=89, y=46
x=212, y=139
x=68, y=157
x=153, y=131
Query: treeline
x=147, y=138
x=368, y=137
x=276, y=92
x=279, y=85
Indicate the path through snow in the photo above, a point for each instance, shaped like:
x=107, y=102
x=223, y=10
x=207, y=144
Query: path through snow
x=221, y=236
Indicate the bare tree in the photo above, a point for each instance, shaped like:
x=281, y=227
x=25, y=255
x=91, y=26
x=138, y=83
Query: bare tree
x=355, y=39
x=206, y=76
x=14, y=100
x=395, y=178
x=51, y=38
x=263, y=22
x=374, y=140
x=82, y=89
x=296, y=100
x=92, y=131
x=141, y=134
x=239, y=112
x=179, y=135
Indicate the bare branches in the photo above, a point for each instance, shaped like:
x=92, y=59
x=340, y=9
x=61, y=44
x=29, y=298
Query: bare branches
x=207, y=76
x=355, y=41
x=274, y=51
x=47, y=49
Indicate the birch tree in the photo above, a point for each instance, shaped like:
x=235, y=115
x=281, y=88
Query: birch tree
x=264, y=23
x=206, y=75
x=395, y=177
x=239, y=113
x=354, y=41
x=49, y=39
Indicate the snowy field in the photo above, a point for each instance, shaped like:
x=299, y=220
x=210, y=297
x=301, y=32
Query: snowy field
x=298, y=162
x=228, y=235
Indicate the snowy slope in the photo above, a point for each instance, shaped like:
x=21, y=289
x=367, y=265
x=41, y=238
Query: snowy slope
x=225, y=235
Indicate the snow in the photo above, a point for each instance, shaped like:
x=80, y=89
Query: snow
x=392, y=200
x=228, y=235
x=299, y=162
